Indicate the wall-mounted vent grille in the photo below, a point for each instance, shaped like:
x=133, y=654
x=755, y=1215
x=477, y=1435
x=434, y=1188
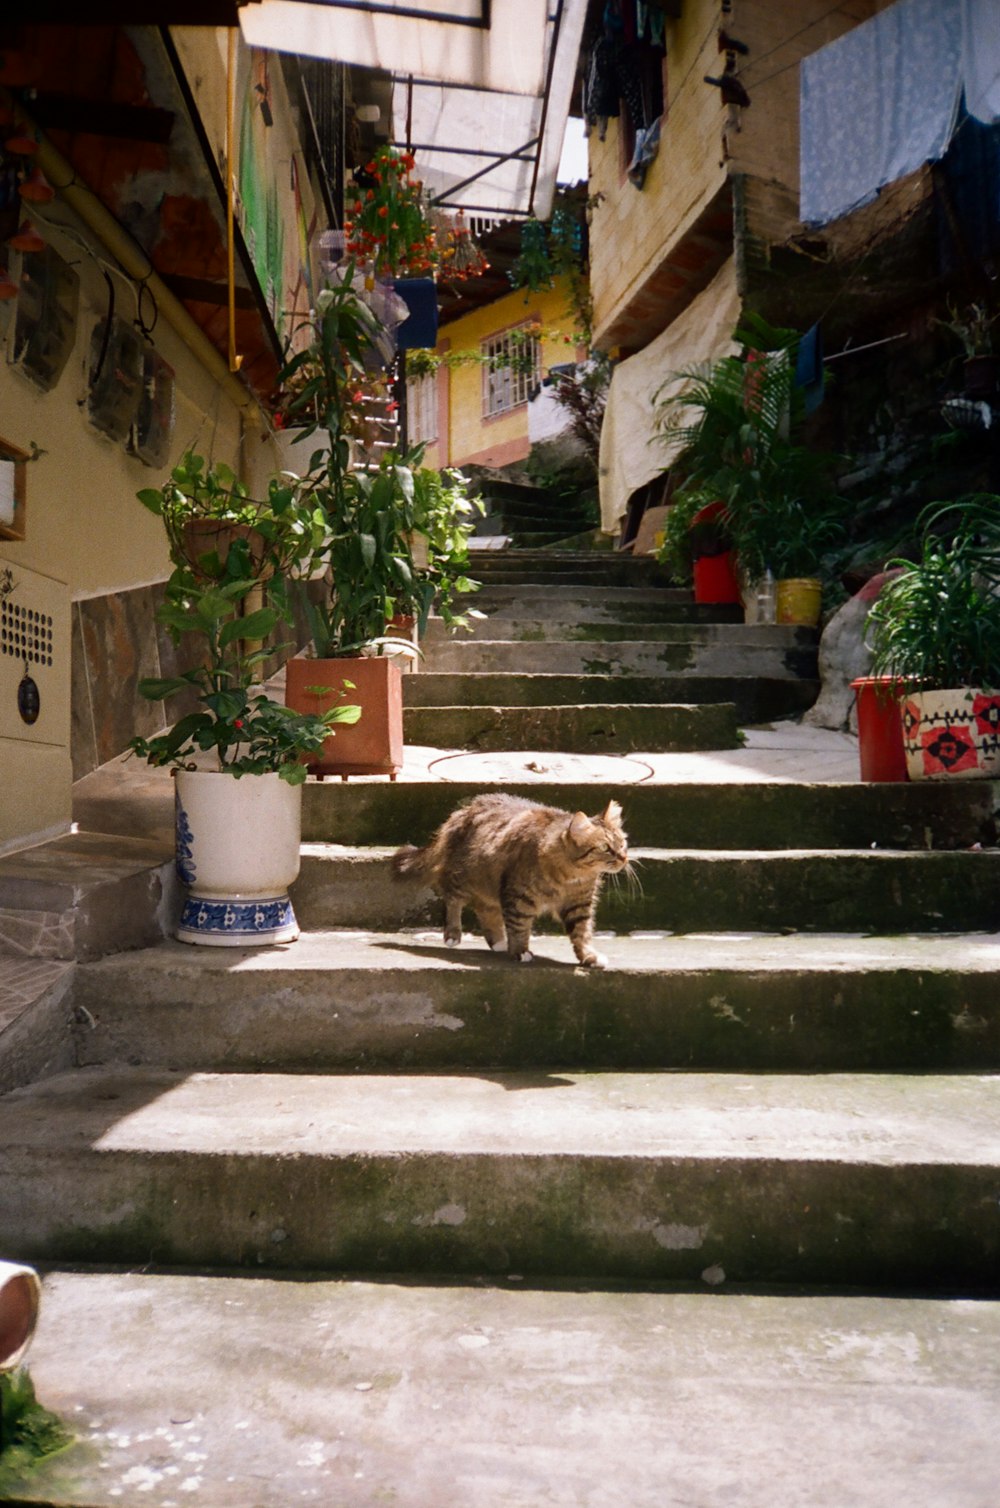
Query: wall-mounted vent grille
x=26, y=633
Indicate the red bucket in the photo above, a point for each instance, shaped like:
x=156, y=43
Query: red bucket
x=880, y=728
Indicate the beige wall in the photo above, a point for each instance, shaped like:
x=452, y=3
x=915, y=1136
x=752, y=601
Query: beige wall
x=87, y=537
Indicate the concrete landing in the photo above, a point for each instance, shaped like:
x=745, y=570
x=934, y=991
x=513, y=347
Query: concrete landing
x=255, y=1393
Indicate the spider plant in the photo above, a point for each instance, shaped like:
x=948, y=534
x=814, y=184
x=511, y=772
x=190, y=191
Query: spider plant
x=936, y=624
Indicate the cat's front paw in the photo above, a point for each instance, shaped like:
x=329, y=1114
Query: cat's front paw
x=452, y=939
x=523, y=957
x=500, y=946
x=594, y=960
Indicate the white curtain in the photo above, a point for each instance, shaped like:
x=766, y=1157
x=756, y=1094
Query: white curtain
x=632, y=453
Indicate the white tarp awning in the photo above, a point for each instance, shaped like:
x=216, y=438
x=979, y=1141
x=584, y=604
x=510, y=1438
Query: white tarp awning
x=483, y=105
x=632, y=452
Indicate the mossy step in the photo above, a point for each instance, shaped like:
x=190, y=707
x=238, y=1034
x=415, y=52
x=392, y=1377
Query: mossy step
x=691, y=815
x=757, y=698
x=652, y=1177
x=607, y=728
x=624, y=657
x=844, y=890
x=382, y=1002
x=581, y=628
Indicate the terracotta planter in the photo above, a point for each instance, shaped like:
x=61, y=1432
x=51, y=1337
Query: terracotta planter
x=952, y=734
x=238, y=845
x=880, y=728
x=20, y=1296
x=715, y=578
x=374, y=744
x=798, y=599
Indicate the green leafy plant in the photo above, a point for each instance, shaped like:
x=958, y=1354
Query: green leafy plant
x=28, y=1432
x=204, y=508
x=733, y=424
x=249, y=733
x=973, y=327
x=936, y=624
x=687, y=539
x=370, y=508
x=444, y=514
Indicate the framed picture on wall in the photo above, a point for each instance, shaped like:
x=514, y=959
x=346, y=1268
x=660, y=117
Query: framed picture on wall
x=13, y=491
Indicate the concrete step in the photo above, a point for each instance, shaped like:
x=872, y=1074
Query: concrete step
x=254, y=1392
x=757, y=699
x=562, y=603
x=566, y=626
x=821, y=1179
x=381, y=1002
x=84, y=894
x=602, y=729
x=624, y=657
x=572, y=567
x=922, y=814
x=700, y=891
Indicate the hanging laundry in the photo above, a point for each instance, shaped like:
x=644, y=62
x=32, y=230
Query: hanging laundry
x=876, y=104
x=647, y=145
x=809, y=368
x=981, y=58
x=600, y=95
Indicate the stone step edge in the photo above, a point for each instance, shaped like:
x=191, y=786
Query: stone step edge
x=771, y=1177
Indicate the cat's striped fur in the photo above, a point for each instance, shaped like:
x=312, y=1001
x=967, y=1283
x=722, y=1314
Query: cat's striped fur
x=513, y=860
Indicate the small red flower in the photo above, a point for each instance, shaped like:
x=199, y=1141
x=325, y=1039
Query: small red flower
x=383, y=211
x=237, y=722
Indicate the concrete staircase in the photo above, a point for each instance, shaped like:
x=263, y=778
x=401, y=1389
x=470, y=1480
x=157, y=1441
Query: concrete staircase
x=676, y=1213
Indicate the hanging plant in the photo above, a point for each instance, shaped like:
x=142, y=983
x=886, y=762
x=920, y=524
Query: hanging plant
x=389, y=224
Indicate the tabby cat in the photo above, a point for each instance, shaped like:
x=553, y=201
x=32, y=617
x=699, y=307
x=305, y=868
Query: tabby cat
x=513, y=860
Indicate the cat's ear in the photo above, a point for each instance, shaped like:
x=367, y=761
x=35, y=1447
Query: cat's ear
x=612, y=813
x=580, y=828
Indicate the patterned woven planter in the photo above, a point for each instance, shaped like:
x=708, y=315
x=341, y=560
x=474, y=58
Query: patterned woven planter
x=952, y=734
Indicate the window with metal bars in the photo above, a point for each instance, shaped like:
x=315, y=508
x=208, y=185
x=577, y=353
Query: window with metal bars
x=512, y=367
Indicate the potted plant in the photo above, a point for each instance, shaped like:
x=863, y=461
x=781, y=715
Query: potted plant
x=974, y=327
x=936, y=627
x=733, y=422
x=697, y=546
x=237, y=757
x=784, y=528
x=367, y=508
x=204, y=509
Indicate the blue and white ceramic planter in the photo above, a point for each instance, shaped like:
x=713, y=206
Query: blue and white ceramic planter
x=238, y=844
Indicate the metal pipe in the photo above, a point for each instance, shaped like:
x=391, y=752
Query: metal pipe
x=131, y=258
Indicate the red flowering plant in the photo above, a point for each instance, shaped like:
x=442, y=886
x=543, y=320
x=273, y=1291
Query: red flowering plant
x=388, y=222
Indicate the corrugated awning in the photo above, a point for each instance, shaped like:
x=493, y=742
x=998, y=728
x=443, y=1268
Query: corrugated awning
x=482, y=88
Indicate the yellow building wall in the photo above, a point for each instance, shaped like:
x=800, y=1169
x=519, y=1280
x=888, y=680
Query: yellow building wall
x=632, y=229
x=465, y=436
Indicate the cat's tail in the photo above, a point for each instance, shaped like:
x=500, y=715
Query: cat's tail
x=410, y=860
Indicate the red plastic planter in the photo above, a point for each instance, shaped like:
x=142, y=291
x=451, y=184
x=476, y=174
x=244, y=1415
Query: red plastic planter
x=880, y=728
x=715, y=578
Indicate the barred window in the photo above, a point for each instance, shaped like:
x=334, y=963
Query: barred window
x=512, y=367
x=422, y=409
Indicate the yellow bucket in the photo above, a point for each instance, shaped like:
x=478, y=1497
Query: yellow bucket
x=798, y=600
